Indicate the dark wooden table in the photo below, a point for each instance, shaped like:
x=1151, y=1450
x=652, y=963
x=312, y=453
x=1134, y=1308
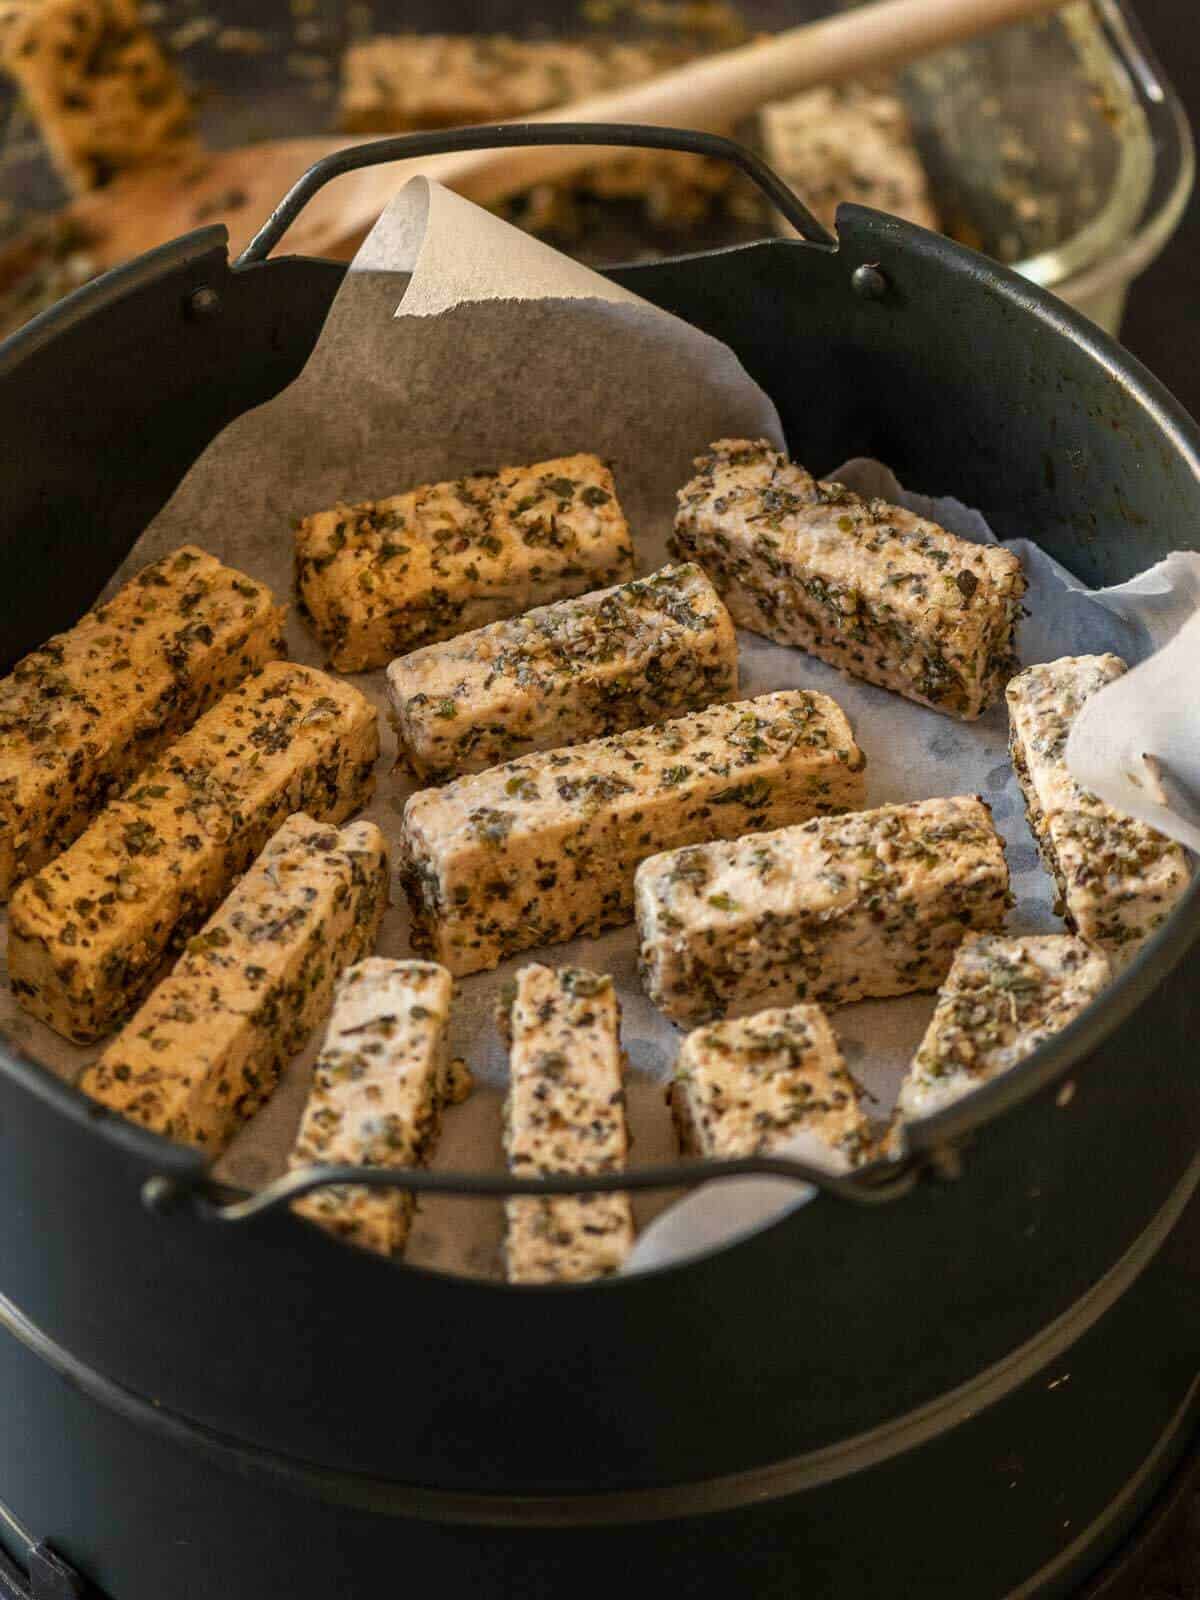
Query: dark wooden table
x=1162, y=328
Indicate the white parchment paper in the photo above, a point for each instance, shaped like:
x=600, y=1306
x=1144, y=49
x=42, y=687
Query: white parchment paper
x=457, y=342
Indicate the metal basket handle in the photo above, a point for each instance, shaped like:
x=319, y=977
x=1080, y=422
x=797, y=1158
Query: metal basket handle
x=871, y=1186
x=508, y=135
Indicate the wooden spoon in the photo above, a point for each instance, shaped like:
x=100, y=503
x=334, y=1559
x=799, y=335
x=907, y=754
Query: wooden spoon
x=239, y=187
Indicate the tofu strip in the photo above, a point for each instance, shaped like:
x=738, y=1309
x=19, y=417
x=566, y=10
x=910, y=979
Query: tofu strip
x=868, y=587
x=546, y=847
x=379, y=1087
x=379, y=579
x=1117, y=879
x=743, y=1088
x=88, y=935
x=81, y=716
x=1002, y=998
x=848, y=141
x=99, y=87
x=207, y=1048
x=565, y=1113
x=579, y=669
x=391, y=82
x=834, y=910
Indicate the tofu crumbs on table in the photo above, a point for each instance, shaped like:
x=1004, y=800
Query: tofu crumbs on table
x=379, y=579
x=575, y=670
x=834, y=910
x=82, y=715
x=1117, y=878
x=91, y=931
x=379, y=1087
x=866, y=586
x=744, y=1087
x=546, y=847
x=565, y=1113
x=207, y=1047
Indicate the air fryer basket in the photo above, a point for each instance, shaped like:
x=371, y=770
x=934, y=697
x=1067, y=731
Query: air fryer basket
x=297, y=1417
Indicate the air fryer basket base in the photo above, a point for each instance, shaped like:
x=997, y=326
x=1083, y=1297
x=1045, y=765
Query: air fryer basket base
x=1059, y=1474
x=315, y=1373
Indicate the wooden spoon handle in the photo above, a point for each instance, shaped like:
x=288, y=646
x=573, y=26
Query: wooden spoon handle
x=709, y=94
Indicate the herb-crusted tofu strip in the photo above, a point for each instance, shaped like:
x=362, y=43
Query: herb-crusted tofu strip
x=864, y=585
x=87, y=935
x=546, y=847
x=1117, y=879
x=379, y=1086
x=565, y=1113
x=206, y=1049
x=98, y=84
x=1002, y=998
x=81, y=716
x=742, y=1088
x=653, y=648
x=379, y=579
x=837, y=909
x=848, y=141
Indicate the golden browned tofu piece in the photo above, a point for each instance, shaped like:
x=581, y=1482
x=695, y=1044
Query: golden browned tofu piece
x=80, y=717
x=1002, y=998
x=89, y=934
x=379, y=1087
x=869, y=587
x=565, y=1113
x=380, y=579
x=206, y=1049
x=576, y=670
x=744, y=1087
x=1117, y=878
x=546, y=847
x=97, y=83
x=834, y=910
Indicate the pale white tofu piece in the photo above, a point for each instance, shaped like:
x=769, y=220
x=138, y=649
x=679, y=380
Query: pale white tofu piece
x=545, y=847
x=868, y=587
x=90, y=933
x=1002, y=998
x=848, y=142
x=391, y=82
x=1117, y=878
x=379, y=579
x=565, y=1113
x=743, y=1087
x=82, y=715
x=206, y=1049
x=834, y=910
x=378, y=1090
x=579, y=669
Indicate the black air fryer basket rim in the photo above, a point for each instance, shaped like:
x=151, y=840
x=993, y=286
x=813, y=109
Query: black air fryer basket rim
x=184, y=1169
